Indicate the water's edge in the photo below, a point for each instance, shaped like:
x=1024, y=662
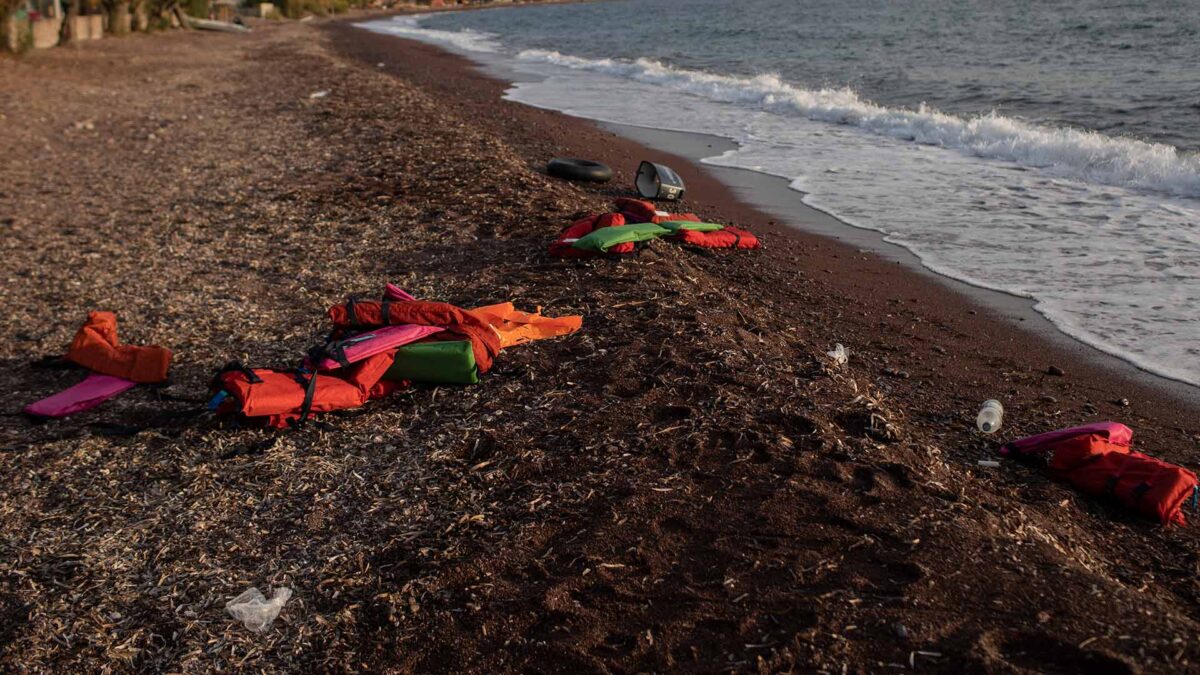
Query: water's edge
x=775, y=196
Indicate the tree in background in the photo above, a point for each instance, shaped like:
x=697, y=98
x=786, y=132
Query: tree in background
x=119, y=16
x=10, y=31
x=74, y=9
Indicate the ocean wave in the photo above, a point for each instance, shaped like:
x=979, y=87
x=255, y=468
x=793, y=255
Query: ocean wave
x=1069, y=153
x=409, y=26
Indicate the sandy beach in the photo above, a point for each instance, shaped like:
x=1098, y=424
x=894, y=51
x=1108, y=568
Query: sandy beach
x=687, y=484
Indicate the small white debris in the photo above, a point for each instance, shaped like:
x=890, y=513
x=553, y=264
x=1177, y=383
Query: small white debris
x=839, y=355
x=254, y=610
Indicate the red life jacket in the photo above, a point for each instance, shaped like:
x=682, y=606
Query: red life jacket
x=641, y=211
x=632, y=211
x=283, y=397
x=458, y=323
x=562, y=248
x=1098, y=461
x=280, y=398
x=728, y=237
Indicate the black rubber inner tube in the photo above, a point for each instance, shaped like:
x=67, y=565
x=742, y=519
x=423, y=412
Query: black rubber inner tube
x=579, y=169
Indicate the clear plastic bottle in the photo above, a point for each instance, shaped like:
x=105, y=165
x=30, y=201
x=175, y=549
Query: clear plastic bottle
x=991, y=416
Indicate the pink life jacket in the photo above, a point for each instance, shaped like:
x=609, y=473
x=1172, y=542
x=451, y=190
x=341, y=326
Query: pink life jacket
x=353, y=349
x=1113, y=432
x=91, y=392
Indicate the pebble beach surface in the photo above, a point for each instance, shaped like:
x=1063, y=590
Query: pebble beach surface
x=687, y=484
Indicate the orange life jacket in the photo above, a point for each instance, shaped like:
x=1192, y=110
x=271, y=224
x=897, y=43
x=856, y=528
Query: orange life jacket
x=284, y=397
x=97, y=348
x=516, y=327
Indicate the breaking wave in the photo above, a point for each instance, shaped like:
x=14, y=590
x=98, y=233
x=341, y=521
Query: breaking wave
x=1069, y=153
x=409, y=26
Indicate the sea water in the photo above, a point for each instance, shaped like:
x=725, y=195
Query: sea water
x=1047, y=150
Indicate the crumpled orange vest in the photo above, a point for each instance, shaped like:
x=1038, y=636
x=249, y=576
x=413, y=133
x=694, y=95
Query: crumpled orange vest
x=97, y=348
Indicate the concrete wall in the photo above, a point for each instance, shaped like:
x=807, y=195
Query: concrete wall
x=45, y=32
x=89, y=27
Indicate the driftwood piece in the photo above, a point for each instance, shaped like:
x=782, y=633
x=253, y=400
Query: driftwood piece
x=209, y=24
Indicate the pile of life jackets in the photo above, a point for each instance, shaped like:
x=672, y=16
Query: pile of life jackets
x=1097, y=460
x=360, y=361
x=114, y=368
x=635, y=221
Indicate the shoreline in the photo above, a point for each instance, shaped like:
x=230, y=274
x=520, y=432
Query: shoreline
x=773, y=195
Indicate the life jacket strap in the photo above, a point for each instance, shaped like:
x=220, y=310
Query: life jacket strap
x=237, y=366
x=310, y=389
x=334, y=349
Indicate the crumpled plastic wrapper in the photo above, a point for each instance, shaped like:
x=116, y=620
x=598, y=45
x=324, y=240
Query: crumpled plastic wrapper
x=254, y=610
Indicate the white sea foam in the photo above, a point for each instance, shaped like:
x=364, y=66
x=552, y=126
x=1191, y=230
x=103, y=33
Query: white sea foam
x=409, y=26
x=1073, y=153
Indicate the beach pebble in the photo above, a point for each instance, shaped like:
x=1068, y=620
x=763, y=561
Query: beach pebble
x=901, y=631
x=1123, y=402
x=1055, y=371
x=1048, y=399
x=1089, y=408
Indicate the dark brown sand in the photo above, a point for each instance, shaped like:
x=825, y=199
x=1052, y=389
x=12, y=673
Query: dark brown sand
x=685, y=485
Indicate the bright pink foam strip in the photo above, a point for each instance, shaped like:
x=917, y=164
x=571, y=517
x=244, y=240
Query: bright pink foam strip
x=394, y=292
x=379, y=340
x=1115, y=431
x=91, y=392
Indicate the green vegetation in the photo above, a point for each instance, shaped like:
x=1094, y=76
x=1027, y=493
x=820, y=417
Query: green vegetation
x=16, y=35
x=196, y=8
x=295, y=9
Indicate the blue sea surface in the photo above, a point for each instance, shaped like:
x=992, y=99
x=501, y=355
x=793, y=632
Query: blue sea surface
x=1124, y=68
